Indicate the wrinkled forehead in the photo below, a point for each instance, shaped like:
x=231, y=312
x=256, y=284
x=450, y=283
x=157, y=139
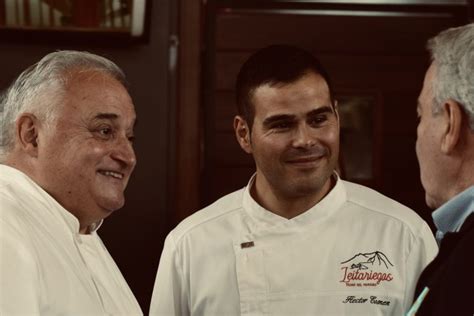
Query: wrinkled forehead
x=90, y=92
x=76, y=75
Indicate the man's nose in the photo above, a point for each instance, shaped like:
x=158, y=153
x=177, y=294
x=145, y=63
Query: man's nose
x=124, y=152
x=304, y=137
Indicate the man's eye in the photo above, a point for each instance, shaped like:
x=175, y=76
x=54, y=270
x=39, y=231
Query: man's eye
x=318, y=120
x=281, y=125
x=106, y=131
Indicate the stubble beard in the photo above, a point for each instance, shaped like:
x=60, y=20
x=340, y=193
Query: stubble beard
x=294, y=187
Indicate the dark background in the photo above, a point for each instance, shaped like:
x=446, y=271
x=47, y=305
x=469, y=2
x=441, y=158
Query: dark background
x=187, y=155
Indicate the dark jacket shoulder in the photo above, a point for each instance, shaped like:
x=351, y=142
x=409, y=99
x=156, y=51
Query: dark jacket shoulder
x=450, y=277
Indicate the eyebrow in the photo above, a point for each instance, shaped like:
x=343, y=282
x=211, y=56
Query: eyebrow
x=111, y=116
x=321, y=110
x=283, y=117
x=106, y=116
x=418, y=105
x=277, y=118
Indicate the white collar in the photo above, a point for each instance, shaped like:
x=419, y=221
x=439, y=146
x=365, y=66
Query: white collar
x=22, y=184
x=325, y=207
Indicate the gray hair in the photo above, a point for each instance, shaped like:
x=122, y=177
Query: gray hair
x=38, y=89
x=452, y=52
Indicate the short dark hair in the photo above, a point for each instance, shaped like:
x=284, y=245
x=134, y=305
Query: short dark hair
x=275, y=64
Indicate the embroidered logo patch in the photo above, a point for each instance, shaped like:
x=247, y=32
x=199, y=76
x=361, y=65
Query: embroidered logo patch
x=366, y=269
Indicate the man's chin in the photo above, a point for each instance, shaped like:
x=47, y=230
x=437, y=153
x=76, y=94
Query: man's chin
x=309, y=185
x=112, y=205
x=305, y=188
x=432, y=202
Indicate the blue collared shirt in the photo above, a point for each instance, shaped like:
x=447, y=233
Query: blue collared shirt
x=451, y=215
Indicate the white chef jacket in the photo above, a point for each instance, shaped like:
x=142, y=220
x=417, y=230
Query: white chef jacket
x=46, y=266
x=356, y=252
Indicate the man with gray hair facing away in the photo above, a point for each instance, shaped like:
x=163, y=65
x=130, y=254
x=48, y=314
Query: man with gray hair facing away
x=66, y=157
x=445, y=150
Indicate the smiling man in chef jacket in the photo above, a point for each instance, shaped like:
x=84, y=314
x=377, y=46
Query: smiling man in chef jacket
x=66, y=157
x=297, y=240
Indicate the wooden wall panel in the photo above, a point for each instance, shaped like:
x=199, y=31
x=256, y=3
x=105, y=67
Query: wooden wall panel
x=390, y=73
x=226, y=109
x=230, y=154
x=236, y=178
x=320, y=33
x=400, y=112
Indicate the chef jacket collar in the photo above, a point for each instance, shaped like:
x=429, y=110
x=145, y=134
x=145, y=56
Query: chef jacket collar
x=326, y=206
x=27, y=184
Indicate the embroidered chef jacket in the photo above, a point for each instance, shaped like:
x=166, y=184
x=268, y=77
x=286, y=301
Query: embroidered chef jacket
x=356, y=252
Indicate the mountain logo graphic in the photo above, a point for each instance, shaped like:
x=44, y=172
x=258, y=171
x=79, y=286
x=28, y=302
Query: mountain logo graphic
x=366, y=269
x=362, y=261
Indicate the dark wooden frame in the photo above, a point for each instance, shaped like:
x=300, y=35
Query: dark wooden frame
x=76, y=36
x=377, y=140
x=187, y=171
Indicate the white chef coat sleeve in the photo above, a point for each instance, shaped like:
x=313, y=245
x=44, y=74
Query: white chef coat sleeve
x=423, y=251
x=19, y=280
x=169, y=293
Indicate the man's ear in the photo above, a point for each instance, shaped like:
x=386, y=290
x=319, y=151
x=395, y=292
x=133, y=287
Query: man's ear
x=27, y=133
x=452, y=113
x=336, y=109
x=242, y=133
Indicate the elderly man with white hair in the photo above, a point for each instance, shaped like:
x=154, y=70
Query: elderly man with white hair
x=66, y=156
x=445, y=150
